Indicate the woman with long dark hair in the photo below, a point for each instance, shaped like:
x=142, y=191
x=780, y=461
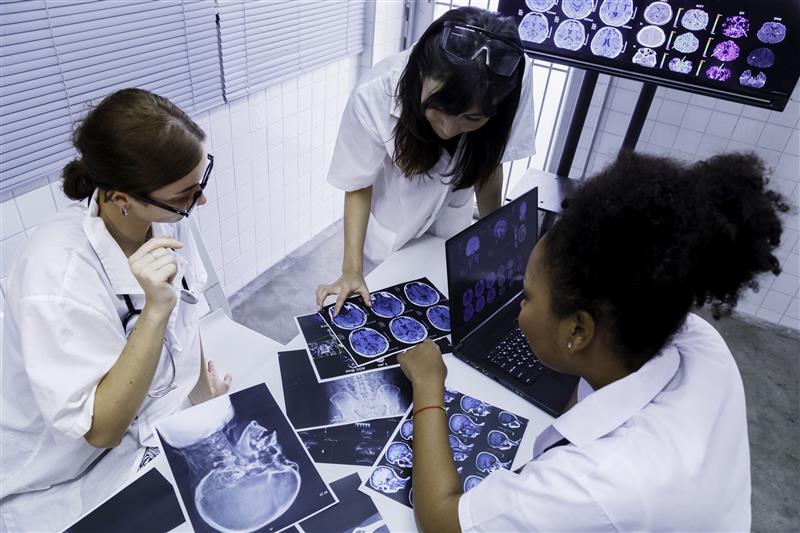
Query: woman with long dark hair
x=101, y=326
x=657, y=440
x=422, y=131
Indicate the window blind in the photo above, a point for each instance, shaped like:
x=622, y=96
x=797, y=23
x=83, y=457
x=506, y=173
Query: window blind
x=267, y=41
x=59, y=57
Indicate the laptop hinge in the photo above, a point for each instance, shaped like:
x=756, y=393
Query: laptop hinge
x=511, y=301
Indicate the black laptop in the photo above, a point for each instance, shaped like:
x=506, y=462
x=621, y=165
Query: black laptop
x=485, y=268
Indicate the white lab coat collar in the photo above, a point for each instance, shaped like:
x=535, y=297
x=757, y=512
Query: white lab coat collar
x=111, y=256
x=605, y=410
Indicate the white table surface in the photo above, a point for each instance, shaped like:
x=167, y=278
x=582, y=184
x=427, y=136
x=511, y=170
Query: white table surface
x=252, y=358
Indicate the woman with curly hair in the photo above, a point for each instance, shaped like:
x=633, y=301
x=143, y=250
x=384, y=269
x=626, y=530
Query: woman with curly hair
x=658, y=437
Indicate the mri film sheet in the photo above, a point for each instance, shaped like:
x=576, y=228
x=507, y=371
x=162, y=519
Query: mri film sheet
x=355, y=512
x=365, y=396
x=401, y=316
x=483, y=438
x=357, y=444
x=239, y=465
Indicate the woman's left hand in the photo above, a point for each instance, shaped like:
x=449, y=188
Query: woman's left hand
x=209, y=385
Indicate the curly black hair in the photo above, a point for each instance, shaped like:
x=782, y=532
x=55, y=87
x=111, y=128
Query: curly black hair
x=642, y=241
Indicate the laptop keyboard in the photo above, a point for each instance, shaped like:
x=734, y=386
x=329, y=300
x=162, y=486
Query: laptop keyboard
x=513, y=357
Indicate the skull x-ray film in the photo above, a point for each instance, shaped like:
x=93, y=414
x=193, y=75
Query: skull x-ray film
x=733, y=49
x=401, y=316
x=356, y=444
x=123, y=512
x=365, y=396
x=483, y=438
x=240, y=466
x=355, y=512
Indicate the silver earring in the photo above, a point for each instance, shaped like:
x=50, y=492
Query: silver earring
x=569, y=345
x=124, y=211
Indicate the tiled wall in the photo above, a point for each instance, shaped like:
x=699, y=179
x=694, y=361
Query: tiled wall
x=268, y=193
x=383, y=32
x=694, y=127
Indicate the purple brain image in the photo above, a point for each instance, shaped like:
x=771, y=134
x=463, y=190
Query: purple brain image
x=771, y=32
x=761, y=58
x=469, y=312
x=350, y=316
x=480, y=303
x=540, y=5
x=473, y=245
x=695, y=19
x=683, y=66
x=534, y=28
x=480, y=285
x=439, y=316
x=726, y=51
x=491, y=294
x=466, y=299
x=651, y=36
x=718, y=73
x=421, y=294
x=408, y=330
x=491, y=279
x=576, y=9
x=645, y=57
x=607, y=42
x=569, y=35
x=748, y=80
x=386, y=304
x=686, y=43
x=658, y=13
x=522, y=233
x=471, y=482
x=501, y=228
x=367, y=342
x=616, y=12
x=735, y=27
x=523, y=210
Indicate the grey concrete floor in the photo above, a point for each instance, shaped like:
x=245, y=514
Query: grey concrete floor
x=768, y=357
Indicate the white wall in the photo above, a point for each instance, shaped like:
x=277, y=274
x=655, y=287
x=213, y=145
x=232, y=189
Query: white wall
x=693, y=127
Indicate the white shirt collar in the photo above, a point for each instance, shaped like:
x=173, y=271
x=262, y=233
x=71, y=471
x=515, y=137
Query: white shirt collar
x=111, y=256
x=605, y=410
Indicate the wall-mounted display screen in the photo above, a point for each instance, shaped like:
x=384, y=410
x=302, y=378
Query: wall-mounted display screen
x=739, y=50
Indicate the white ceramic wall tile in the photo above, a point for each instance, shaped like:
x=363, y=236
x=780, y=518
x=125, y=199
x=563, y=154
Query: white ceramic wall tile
x=10, y=222
x=35, y=206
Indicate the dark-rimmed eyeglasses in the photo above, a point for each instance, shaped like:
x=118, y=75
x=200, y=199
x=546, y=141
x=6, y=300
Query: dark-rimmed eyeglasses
x=195, y=198
x=468, y=42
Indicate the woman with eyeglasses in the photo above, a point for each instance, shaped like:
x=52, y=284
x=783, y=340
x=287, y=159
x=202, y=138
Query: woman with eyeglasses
x=657, y=440
x=101, y=324
x=422, y=132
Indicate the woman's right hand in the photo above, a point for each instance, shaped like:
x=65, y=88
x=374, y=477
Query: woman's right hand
x=154, y=266
x=347, y=284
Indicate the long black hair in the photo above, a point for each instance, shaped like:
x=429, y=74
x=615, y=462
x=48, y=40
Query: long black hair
x=648, y=237
x=465, y=84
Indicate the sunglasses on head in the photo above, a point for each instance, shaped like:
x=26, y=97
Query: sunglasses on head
x=195, y=198
x=468, y=42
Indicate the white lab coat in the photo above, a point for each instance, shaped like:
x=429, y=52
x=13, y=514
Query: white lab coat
x=404, y=209
x=663, y=449
x=62, y=333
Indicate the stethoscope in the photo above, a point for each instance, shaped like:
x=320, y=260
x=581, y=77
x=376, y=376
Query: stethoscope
x=186, y=296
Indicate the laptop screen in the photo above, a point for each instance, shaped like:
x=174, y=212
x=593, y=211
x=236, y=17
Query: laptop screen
x=486, y=263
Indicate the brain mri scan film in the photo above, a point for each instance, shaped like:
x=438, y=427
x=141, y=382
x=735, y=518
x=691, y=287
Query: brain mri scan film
x=386, y=304
x=607, y=42
x=645, y=57
x=771, y=32
x=350, y=316
x=753, y=80
x=651, y=36
x=569, y=35
x=677, y=64
x=658, y=13
x=735, y=26
x=616, y=12
x=386, y=480
x=761, y=58
x=471, y=482
x=421, y=294
x=368, y=343
x=534, y=28
x=726, y=51
x=540, y=5
x=694, y=20
x=577, y=9
x=439, y=316
x=686, y=43
x=408, y=330
x=718, y=73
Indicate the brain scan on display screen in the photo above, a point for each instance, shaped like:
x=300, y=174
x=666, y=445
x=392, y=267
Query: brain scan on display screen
x=771, y=32
x=534, y=28
x=569, y=35
x=761, y=58
x=386, y=304
x=616, y=12
x=540, y=5
x=350, y=316
x=681, y=65
x=726, y=51
x=421, y=294
x=748, y=79
x=369, y=343
x=651, y=36
x=694, y=19
x=408, y=330
x=735, y=27
x=686, y=43
x=718, y=73
x=607, y=42
x=500, y=229
x=439, y=316
x=658, y=13
x=576, y=9
x=645, y=57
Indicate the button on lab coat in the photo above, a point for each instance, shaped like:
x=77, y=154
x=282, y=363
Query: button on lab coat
x=663, y=449
x=62, y=333
x=402, y=208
